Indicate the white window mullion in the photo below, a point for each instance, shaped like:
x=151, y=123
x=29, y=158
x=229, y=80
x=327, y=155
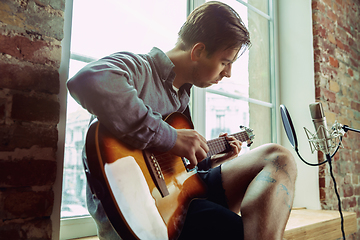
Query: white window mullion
x=247, y=99
x=198, y=109
x=268, y=17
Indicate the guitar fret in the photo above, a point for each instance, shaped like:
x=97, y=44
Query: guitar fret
x=219, y=145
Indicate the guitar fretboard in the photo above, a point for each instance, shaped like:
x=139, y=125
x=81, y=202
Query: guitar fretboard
x=220, y=144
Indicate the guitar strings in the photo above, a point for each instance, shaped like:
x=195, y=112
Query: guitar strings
x=168, y=164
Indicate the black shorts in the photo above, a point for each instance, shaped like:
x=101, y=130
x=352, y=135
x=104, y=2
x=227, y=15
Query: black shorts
x=211, y=218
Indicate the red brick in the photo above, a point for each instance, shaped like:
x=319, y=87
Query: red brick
x=327, y=24
x=345, y=154
x=27, y=172
x=319, y=31
x=349, y=203
x=357, y=190
x=334, y=107
x=328, y=47
x=332, y=15
x=348, y=190
x=322, y=182
x=39, y=18
x=340, y=44
x=29, y=77
x=317, y=93
x=26, y=136
x=350, y=72
x=32, y=108
x=357, y=168
x=21, y=229
x=328, y=96
x=36, y=51
x=21, y=203
x=2, y=108
x=317, y=5
x=20, y=47
x=317, y=55
x=355, y=106
x=322, y=194
x=351, y=42
x=329, y=72
x=334, y=62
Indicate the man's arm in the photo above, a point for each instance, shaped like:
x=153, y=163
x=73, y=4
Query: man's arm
x=105, y=89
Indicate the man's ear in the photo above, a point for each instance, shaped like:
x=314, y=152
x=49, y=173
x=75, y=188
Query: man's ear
x=197, y=51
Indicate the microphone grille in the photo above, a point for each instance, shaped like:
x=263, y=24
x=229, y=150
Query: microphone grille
x=316, y=110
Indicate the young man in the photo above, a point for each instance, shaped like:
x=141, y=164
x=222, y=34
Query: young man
x=131, y=93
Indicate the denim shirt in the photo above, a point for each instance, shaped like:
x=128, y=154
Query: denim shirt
x=130, y=94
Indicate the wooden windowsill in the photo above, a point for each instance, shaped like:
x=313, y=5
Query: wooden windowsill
x=311, y=224
x=319, y=224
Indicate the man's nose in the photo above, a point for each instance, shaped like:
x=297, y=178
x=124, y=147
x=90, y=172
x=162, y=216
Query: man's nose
x=227, y=71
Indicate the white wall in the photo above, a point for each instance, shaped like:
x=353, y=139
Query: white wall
x=297, y=90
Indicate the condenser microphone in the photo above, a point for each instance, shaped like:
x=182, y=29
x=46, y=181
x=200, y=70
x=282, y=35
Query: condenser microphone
x=323, y=141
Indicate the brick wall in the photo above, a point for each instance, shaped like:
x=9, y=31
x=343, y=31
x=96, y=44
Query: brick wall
x=30, y=52
x=336, y=29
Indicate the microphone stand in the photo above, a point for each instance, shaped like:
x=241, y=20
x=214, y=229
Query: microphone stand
x=328, y=159
x=290, y=132
x=347, y=128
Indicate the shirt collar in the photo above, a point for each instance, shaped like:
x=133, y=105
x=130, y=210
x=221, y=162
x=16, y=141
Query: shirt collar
x=164, y=66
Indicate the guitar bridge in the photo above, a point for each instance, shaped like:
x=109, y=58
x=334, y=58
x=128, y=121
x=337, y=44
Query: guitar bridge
x=156, y=173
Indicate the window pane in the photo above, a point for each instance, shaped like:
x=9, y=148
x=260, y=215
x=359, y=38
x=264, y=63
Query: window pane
x=260, y=122
x=100, y=28
x=262, y=5
x=225, y=115
x=74, y=180
x=120, y=25
x=259, y=60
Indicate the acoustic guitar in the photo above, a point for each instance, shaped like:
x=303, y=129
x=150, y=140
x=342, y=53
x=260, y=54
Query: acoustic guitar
x=145, y=194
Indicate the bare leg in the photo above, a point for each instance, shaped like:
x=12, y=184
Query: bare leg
x=260, y=185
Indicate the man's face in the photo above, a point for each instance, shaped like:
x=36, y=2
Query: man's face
x=211, y=70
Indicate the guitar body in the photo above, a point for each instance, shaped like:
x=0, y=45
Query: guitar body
x=145, y=194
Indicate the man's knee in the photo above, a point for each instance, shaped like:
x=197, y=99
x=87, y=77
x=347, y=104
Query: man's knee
x=281, y=158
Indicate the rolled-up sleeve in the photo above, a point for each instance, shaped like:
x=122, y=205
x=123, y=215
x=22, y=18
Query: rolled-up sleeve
x=106, y=90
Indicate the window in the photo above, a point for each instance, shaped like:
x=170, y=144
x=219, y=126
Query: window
x=100, y=29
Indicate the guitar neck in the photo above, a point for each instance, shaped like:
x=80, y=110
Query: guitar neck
x=220, y=144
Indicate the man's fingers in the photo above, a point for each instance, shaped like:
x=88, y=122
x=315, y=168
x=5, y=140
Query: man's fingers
x=191, y=145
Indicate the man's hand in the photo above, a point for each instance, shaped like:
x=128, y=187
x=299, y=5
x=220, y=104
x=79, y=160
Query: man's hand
x=191, y=145
x=235, y=145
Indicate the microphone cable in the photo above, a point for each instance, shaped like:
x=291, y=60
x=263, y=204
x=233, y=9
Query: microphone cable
x=337, y=195
x=328, y=160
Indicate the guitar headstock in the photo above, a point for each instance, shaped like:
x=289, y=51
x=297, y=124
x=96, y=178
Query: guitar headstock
x=250, y=134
